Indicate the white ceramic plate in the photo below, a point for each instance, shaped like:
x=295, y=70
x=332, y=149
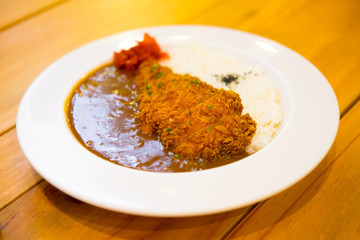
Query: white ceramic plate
x=306, y=135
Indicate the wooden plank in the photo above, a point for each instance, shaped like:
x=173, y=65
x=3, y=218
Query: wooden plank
x=324, y=205
x=329, y=209
x=13, y=12
x=17, y=176
x=70, y=25
x=46, y=213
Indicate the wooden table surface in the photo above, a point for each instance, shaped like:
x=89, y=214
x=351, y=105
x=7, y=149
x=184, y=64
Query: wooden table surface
x=324, y=205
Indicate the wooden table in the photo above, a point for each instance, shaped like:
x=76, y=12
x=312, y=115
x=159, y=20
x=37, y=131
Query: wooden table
x=324, y=205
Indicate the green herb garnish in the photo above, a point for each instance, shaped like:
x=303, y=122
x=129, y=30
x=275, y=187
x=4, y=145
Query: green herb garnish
x=154, y=66
x=159, y=75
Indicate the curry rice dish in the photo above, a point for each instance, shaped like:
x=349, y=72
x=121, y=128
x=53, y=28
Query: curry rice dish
x=157, y=120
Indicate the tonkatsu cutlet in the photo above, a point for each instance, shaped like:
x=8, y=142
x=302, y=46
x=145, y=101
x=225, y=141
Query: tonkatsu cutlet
x=192, y=118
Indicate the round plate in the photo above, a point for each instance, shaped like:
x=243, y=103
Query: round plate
x=307, y=132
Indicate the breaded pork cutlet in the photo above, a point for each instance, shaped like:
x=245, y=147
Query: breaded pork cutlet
x=192, y=118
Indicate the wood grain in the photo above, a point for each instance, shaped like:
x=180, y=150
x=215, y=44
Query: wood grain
x=327, y=197
x=13, y=12
x=46, y=213
x=17, y=176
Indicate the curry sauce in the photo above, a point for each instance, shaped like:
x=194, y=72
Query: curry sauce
x=102, y=113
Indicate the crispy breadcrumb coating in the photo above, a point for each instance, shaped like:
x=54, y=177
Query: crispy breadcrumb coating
x=192, y=118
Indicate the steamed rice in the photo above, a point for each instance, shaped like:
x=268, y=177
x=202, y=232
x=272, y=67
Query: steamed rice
x=259, y=95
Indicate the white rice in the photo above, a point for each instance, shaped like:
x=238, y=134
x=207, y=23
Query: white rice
x=259, y=95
